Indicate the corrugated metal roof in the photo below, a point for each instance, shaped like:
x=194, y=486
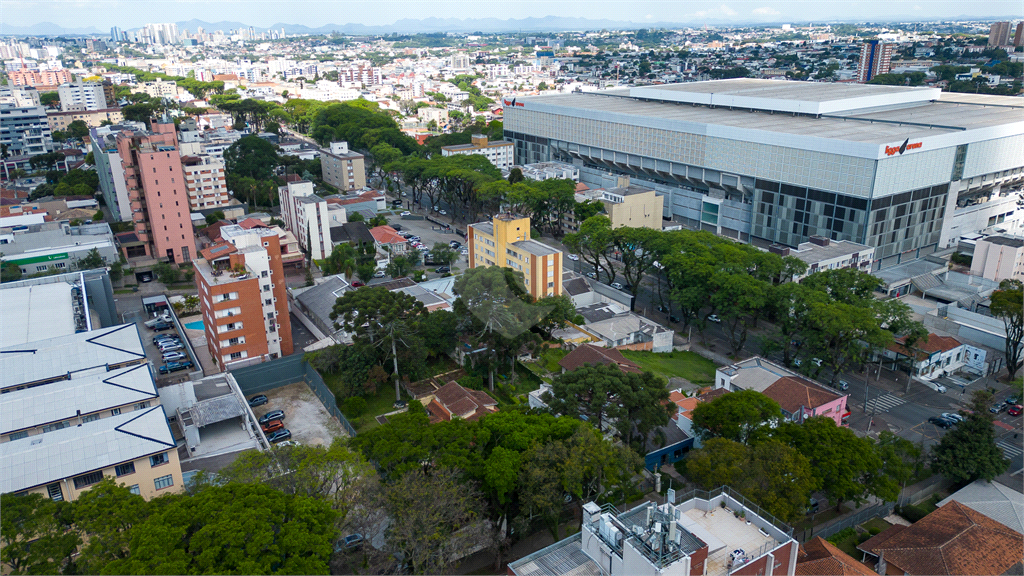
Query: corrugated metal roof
x=45, y=458
x=21, y=409
x=51, y=358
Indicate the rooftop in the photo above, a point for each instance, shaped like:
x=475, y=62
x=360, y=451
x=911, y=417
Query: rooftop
x=534, y=247
x=590, y=354
x=563, y=558
x=1000, y=503
x=40, y=459
x=819, y=556
x=756, y=373
x=60, y=357
x=484, y=227
x=83, y=394
x=32, y=313
x=794, y=393
x=811, y=253
x=1011, y=241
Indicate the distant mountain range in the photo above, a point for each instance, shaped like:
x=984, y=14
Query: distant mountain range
x=428, y=25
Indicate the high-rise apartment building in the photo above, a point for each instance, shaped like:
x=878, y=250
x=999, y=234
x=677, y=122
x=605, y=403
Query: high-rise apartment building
x=305, y=215
x=80, y=96
x=505, y=242
x=342, y=168
x=39, y=77
x=874, y=60
x=156, y=192
x=999, y=34
x=362, y=73
x=24, y=130
x=243, y=297
x=1018, y=35
x=204, y=176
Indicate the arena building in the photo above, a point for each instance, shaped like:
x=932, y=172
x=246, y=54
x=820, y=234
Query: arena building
x=904, y=170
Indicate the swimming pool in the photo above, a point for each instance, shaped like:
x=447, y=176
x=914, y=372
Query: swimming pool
x=197, y=325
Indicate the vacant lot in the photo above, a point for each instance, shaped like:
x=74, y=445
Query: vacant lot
x=688, y=365
x=304, y=415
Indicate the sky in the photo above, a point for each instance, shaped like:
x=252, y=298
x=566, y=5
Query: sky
x=128, y=14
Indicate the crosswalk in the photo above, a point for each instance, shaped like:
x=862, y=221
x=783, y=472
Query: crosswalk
x=884, y=402
x=1010, y=447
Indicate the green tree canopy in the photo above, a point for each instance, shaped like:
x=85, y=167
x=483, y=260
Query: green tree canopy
x=1008, y=306
x=968, y=451
x=737, y=416
x=251, y=157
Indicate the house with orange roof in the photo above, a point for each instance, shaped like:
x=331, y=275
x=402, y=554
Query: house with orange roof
x=819, y=556
x=933, y=356
x=801, y=399
x=388, y=241
x=454, y=401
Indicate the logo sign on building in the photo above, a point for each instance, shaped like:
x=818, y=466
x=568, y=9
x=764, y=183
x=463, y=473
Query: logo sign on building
x=892, y=150
x=512, y=102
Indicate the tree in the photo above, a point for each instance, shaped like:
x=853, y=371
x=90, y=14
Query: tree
x=238, y=528
x=441, y=517
x=36, y=534
x=588, y=392
x=214, y=217
x=845, y=466
x=735, y=297
x=91, y=260
x=252, y=157
x=901, y=458
x=9, y=272
x=78, y=129
x=592, y=242
x=356, y=217
x=719, y=462
x=1008, y=305
x=737, y=416
x=399, y=267
x=443, y=254
x=334, y=474
x=515, y=175
x=382, y=318
x=104, y=517
x=50, y=99
x=639, y=248
x=968, y=451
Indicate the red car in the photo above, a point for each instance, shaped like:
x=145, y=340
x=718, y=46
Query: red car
x=357, y=284
x=1015, y=410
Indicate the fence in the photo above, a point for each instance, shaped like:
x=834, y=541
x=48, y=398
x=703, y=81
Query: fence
x=884, y=509
x=289, y=370
x=923, y=490
x=739, y=498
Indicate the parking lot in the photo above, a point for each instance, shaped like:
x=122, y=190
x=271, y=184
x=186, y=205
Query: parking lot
x=155, y=356
x=304, y=415
x=430, y=234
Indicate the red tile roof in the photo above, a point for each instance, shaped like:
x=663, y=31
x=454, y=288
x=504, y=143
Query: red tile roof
x=250, y=223
x=818, y=557
x=464, y=403
x=218, y=250
x=926, y=346
x=593, y=355
x=954, y=540
x=386, y=235
x=792, y=393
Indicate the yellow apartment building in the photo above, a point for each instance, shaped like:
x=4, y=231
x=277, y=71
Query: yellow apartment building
x=505, y=241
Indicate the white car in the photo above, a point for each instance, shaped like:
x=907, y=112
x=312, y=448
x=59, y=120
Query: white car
x=442, y=212
x=288, y=443
x=616, y=285
x=573, y=257
x=817, y=362
x=464, y=251
x=714, y=318
x=953, y=416
x=169, y=356
x=166, y=319
x=406, y=213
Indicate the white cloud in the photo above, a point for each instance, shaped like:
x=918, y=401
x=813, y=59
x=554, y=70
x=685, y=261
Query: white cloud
x=719, y=12
x=649, y=16
x=766, y=11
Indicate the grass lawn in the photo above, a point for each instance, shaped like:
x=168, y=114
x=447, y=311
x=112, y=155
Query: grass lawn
x=849, y=545
x=550, y=359
x=688, y=365
x=878, y=523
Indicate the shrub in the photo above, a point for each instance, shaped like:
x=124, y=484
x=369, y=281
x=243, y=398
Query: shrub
x=842, y=535
x=874, y=530
x=354, y=407
x=913, y=513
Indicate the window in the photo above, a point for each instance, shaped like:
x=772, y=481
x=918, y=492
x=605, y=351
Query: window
x=90, y=418
x=134, y=489
x=268, y=302
x=115, y=411
x=164, y=482
x=551, y=284
x=264, y=273
x=141, y=405
x=158, y=460
x=55, y=493
x=88, y=479
x=236, y=355
x=18, y=435
x=57, y=426
x=124, y=469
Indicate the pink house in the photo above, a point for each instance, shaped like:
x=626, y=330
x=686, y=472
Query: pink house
x=800, y=399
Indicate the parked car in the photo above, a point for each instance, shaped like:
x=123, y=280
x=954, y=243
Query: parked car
x=1012, y=400
x=272, y=415
x=272, y=426
x=396, y=228
x=258, y=400
x=813, y=508
x=997, y=408
x=175, y=356
x=442, y=212
x=174, y=367
x=278, y=436
x=170, y=346
x=442, y=270
x=574, y=257
x=616, y=285
x=379, y=274
x=166, y=338
x=940, y=388
x=289, y=443
x=798, y=362
x=817, y=361
x=1015, y=410
x=357, y=284
x=165, y=318
x=592, y=275
x=455, y=244
x=464, y=251
x=844, y=385
x=941, y=422
x=352, y=541
x=406, y=213
x=953, y=416
x=714, y=318
x=673, y=319
x=161, y=326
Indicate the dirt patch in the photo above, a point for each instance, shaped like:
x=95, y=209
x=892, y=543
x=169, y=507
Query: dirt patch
x=305, y=416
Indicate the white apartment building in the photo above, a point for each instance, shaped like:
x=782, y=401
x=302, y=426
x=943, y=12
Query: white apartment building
x=305, y=214
x=80, y=96
x=157, y=89
x=204, y=178
x=999, y=258
x=498, y=153
x=826, y=254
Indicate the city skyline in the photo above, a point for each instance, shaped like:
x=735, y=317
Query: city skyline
x=102, y=15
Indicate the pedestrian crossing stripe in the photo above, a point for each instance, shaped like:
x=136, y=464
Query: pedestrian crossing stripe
x=1010, y=448
x=884, y=402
